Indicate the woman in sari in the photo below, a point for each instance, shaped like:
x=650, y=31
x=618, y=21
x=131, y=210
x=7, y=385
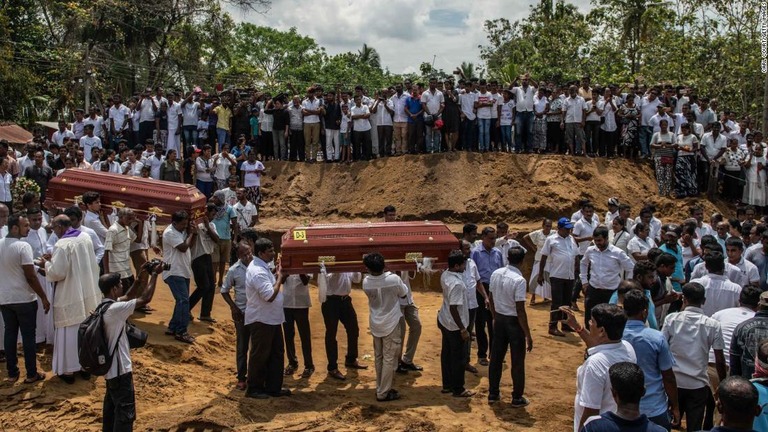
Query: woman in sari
x=663, y=144
x=629, y=115
x=685, y=165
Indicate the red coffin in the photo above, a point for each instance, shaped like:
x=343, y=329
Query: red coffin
x=146, y=196
x=341, y=247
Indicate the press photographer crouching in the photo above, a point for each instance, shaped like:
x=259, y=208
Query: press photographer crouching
x=119, y=402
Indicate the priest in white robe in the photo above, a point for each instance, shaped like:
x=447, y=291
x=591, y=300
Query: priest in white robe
x=74, y=270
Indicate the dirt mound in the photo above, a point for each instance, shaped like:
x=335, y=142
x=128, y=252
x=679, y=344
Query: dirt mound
x=458, y=188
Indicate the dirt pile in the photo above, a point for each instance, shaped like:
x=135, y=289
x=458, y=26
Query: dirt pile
x=458, y=188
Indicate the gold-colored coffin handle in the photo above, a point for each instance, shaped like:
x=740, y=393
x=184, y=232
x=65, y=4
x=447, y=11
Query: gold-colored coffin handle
x=331, y=260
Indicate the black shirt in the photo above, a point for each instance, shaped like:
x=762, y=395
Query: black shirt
x=332, y=117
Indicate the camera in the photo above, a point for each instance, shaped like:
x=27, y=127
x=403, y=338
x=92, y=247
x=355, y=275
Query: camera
x=149, y=265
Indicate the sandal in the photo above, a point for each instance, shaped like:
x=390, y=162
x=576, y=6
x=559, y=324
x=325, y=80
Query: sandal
x=186, y=338
x=464, y=394
x=34, y=379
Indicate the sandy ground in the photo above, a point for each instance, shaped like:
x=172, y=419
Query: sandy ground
x=191, y=387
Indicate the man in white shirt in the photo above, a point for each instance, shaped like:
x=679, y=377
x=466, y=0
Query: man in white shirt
x=748, y=273
x=94, y=219
x=433, y=103
x=63, y=132
x=178, y=238
x=117, y=246
x=119, y=408
x=574, y=118
x=452, y=320
x=524, y=95
x=396, y=104
x=660, y=115
x=508, y=293
x=361, y=130
x=97, y=121
x=560, y=251
x=190, y=113
x=251, y=171
x=247, y=214
x=155, y=161
x=384, y=291
x=78, y=124
x=264, y=317
x=201, y=254
x=296, y=304
x=311, y=109
x=713, y=144
x=582, y=234
x=474, y=285
x=19, y=291
x=593, y=385
x=175, y=122
x=603, y=267
x=691, y=334
x=338, y=308
x=119, y=121
x=648, y=108
x=468, y=118
x=720, y=292
x=89, y=141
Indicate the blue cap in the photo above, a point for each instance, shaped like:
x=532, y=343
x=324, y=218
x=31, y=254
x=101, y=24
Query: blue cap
x=564, y=222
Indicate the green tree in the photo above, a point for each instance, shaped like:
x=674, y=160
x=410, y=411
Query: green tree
x=368, y=55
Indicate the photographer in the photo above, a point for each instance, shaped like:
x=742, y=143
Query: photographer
x=119, y=401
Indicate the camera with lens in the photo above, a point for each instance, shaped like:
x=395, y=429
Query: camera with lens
x=149, y=265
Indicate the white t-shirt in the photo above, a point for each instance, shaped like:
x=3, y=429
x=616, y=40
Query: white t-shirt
x=295, y=293
x=485, y=112
x=507, y=110
x=180, y=261
x=114, y=322
x=499, y=100
x=361, y=124
x=508, y=287
x=384, y=292
x=154, y=166
x=636, y=244
x=454, y=294
x=561, y=256
x=134, y=169
x=471, y=276
x=190, y=113
x=97, y=125
x=222, y=165
x=245, y=214
x=467, y=102
x=432, y=101
x=119, y=116
x=14, y=288
x=252, y=173
x=729, y=319
x=583, y=228
x=88, y=143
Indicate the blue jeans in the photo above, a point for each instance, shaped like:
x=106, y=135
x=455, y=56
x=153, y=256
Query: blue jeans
x=222, y=135
x=468, y=134
x=205, y=187
x=180, y=290
x=506, y=137
x=190, y=135
x=433, y=140
x=646, y=133
x=483, y=134
x=20, y=316
x=524, y=125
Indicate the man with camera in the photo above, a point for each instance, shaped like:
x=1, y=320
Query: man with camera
x=119, y=401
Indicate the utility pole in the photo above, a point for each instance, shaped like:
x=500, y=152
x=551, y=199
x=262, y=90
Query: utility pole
x=87, y=91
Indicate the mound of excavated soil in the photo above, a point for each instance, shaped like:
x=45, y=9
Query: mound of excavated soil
x=458, y=188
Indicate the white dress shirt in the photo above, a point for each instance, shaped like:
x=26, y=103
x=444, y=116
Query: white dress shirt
x=691, y=335
x=471, y=277
x=729, y=319
x=584, y=228
x=384, y=292
x=524, y=98
x=605, y=268
x=508, y=286
x=454, y=294
x=398, y=106
x=259, y=288
x=561, y=256
x=636, y=244
x=720, y=293
x=340, y=284
x=296, y=293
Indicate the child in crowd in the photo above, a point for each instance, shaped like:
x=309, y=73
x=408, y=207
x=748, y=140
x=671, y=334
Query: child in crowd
x=202, y=130
x=344, y=143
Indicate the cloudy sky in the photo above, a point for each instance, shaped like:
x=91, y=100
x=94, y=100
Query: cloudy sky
x=404, y=32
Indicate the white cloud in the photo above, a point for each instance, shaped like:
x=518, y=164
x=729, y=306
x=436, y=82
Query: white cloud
x=400, y=30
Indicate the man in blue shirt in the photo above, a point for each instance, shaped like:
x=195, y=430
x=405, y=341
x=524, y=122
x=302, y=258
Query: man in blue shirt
x=414, y=111
x=225, y=223
x=655, y=359
x=488, y=260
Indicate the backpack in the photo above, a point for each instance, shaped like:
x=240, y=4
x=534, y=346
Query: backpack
x=93, y=344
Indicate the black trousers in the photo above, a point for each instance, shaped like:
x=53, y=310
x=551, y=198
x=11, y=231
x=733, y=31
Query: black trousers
x=146, y=128
x=692, y=405
x=577, y=288
x=297, y=146
x=592, y=135
x=452, y=360
x=416, y=136
x=243, y=338
x=119, y=408
x=702, y=175
x=299, y=317
x=385, y=140
x=362, y=146
x=482, y=320
x=265, y=144
x=339, y=309
x=202, y=270
x=594, y=297
x=470, y=329
x=507, y=333
x=266, y=358
x=561, y=296
x=608, y=142
x=555, y=137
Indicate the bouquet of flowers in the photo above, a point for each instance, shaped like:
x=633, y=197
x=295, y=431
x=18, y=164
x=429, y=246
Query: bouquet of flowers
x=21, y=186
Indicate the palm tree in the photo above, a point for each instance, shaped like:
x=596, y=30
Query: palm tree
x=369, y=55
x=467, y=69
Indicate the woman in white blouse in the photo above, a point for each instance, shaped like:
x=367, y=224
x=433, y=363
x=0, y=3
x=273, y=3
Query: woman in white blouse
x=618, y=235
x=641, y=243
